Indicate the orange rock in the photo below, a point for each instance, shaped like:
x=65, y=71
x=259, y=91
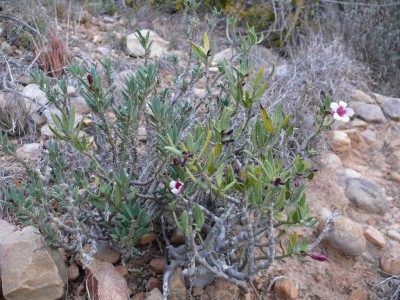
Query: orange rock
x=148, y=238
x=122, y=269
x=286, y=289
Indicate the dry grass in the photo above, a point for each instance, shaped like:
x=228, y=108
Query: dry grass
x=14, y=115
x=52, y=56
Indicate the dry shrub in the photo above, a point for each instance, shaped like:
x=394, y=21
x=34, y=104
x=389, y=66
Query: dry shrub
x=317, y=68
x=53, y=55
x=14, y=114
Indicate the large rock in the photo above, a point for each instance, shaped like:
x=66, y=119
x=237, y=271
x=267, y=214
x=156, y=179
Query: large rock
x=391, y=106
x=104, y=282
x=30, y=270
x=159, y=47
x=360, y=96
x=33, y=91
x=6, y=229
x=370, y=113
x=390, y=261
x=344, y=234
x=29, y=151
x=367, y=195
x=340, y=142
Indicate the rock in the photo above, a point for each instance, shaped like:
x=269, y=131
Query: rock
x=30, y=270
x=142, y=134
x=332, y=161
x=158, y=265
x=391, y=106
x=367, y=195
x=358, y=123
x=213, y=70
x=103, y=51
x=155, y=294
x=394, y=234
x=148, y=238
x=177, y=288
x=73, y=272
x=340, y=142
x=153, y=283
x=122, y=269
x=344, y=234
x=80, y=106
x=374, y=236
x=197, y=292
x=45, y=131
x=199, y=93
x=177, y=236
x=371, y=113
x=106, y=253
x=25, y=79
x=350, y=173
x=108, y=19
x=390, y=261
x=104, y=282
x=286, y=289
x=369, y=136
x=6, y=229
x=360, y=96
x=30, y=151
x=97, y=39
x=159, y=47
x=222, y=289
x=358, y=294
x=71, y=91
x=221, y=56
x=34, y=92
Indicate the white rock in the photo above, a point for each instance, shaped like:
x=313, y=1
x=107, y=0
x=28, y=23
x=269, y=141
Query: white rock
x=29, y=151
x=221, y=56
x=394, y=234
x=104, y=51
x=33, y=91
x=332, y=161
x=340, y=142
x=159, y=46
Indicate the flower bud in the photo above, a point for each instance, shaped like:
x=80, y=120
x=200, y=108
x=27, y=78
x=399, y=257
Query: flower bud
x=319, y=257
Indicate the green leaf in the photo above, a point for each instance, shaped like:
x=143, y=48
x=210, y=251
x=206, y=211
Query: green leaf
x=206, y=42
x=174, y=151
x=266, y=120
x=220, y=173
x=199, y=50
x=198, y=216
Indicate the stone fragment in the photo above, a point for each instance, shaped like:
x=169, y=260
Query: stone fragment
x=71, y=91
x=345, y=234
x=358, y=294
x=332, y=161
x=390, y=261
x=33, y=91
x=80, y=105
x=73, y=272
x=142, y=134
x=350, y=173
x=374, y=236
x=340, y=142
x=371, y=113
x=158, y=265
x=105, y=252
x=177, y=236
x=153, y=283
x=159, y=47
x=360, y=96
x=221, y=56
x=104, y=282
x=197, y=292
x=154, y=294
x=199, y=93
x=286, y=289
x=391, y=106
x=367, y=195
x=177, y=288
x=148, y=238
x=103, y=51
x=122, y=269
x=6, y=229
x=30, y=270
x=394, y=234
x=30, y=151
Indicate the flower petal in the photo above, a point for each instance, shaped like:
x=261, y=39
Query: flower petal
x=334, y=106
x=349, y=112
x=342, y=104
x=175, y=191
x=172, y=184
x=345, y=119
x=337, y=117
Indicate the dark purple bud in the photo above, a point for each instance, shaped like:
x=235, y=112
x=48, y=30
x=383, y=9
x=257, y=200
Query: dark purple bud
x=278, y=181
x=208, y=53
x=90, y=79
x=175, y=161
x=229, y=132
x=297, y=181
x=318, y=257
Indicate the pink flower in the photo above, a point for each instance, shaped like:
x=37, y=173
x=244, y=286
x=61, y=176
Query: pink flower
x=176, y=186
x=341, y=112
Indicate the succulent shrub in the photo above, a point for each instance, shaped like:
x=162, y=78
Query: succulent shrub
x=211, y=164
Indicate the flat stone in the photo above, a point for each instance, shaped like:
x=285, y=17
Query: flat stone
x=358, y=294
x=332, y=161
x=391, y=106
x=177, y=288
x=340, y=141
x=371, y=113
x=71, y=91
x=350, y=173
x=104, y=282
x=286, y=289
x=122, y=269
x=159, y=47
x=73, y=272
x=390, y=261
x=148, y=238
x=360, y=96
x=154, y=294
x=80, y=105
x=33, y=91
x=142, y=134
x=29, y=151
x=346, y=235
x=158, y=265
x=104, y=51
x=394, y=234
x=6, y=229
x=153, y=283
x=367, y=195
x=105, y=252
x=374, y=236
x=29, y=269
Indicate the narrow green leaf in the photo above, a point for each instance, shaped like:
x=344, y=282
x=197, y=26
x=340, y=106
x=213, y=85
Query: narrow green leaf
x=206, y=42
x=175, y=151
x=266, y=120
x=198, y=216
